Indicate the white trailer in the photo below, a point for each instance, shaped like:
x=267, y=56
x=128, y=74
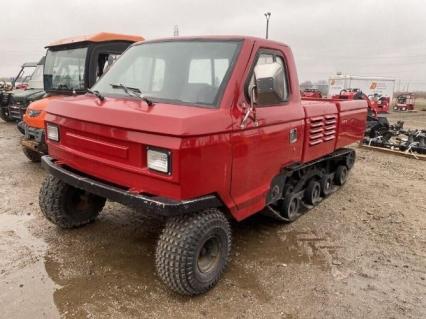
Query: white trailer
x=368, y=85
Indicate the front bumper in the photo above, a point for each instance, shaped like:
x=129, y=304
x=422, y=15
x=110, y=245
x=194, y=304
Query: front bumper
x=34, y=138
x=155, y=205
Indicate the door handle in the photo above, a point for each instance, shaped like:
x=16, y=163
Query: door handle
x=293, y=135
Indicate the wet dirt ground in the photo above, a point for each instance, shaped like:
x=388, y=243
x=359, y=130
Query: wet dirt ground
x=361, y=253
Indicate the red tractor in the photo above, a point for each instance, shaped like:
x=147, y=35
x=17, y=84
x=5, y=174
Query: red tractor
x=379, y=103
x=311, y=93
x=376, y=102
x=405, y=102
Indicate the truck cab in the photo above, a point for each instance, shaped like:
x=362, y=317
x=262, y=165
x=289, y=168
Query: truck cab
x=198, y=130
x=72, y=66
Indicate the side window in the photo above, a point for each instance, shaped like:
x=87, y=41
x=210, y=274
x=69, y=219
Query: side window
x=267, y=58
x=105, y=61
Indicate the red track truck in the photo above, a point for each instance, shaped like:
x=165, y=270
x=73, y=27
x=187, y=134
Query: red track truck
x=199, y=130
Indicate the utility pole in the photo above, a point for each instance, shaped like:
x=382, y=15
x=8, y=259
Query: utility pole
x=176, y=31
x=267, y=16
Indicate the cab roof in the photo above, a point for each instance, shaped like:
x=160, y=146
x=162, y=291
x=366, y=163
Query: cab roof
x=218, y=38
x=97, y=37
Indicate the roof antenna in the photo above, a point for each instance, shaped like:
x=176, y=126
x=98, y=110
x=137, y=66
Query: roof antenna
x=176, y=31
x=267, y=16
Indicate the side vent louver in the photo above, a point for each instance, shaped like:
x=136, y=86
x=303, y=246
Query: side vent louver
x=322, y=129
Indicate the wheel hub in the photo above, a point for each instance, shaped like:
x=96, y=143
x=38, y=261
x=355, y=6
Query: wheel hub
x=208, y=258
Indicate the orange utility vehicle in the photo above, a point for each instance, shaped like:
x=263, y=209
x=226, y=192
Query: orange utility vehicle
x=72, y=66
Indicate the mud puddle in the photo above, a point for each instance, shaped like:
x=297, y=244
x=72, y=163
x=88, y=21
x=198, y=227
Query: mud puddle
x=26, y=290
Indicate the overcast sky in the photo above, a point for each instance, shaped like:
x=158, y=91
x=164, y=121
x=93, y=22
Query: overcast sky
x=362, y=37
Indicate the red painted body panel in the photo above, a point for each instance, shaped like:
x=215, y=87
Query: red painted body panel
x=320, y=129
x=210, y=152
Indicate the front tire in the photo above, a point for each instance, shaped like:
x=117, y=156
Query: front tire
x=33, y=156
x=4, y=115
x=193, y=251
x=67, y=206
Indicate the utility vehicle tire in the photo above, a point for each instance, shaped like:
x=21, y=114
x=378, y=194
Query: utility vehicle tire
x=290, y=207
x=4, y=115
x=67, y=206
x=312, y=194
x=33, y=156
x=193, y=250
x=326, y=183
x=341, y=175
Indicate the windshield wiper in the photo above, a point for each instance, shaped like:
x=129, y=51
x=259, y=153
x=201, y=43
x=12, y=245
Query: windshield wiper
x=97, y=94
x=131, y=91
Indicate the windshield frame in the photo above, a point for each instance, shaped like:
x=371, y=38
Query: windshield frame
x=82, y=45
x=221, y=90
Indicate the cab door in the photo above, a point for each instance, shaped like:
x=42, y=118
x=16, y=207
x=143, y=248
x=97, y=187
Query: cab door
x=263, y=147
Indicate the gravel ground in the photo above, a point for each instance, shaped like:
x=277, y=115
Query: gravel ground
x=361, y=253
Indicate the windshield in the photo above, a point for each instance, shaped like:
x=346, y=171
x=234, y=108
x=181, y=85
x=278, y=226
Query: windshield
x=182, y=72
x=25, y=74
x=64, y=69
x=36, y=80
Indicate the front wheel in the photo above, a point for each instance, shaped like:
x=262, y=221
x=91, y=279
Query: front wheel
x=67, y=206
x=33, y=156
x=193, y=250
x=4, y=115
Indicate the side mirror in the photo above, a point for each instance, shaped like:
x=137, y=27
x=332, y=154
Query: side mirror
x=268, y=88
x=270, y=82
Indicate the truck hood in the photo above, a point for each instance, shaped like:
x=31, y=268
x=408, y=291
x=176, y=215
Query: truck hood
x=26, y=94
x=136, y=115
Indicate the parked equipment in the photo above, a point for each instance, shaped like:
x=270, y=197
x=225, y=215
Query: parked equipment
x=394, y=137
x=405, y=102
x=72, y=66
x=27, y=78
x=376, y=102
x=312, y=93
x=197, y=130
x=20, y=99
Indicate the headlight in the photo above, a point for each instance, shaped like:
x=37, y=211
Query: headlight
x=159, y=160
x=52, y=132
x=33, y=113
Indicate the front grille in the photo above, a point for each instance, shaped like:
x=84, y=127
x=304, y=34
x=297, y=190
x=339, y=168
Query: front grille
x=6, y=97
x=17, y=109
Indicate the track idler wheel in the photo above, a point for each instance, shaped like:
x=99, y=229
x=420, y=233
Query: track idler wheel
x=290, y=207
x=312, y=194
x=341, y=175
x=326, y=183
